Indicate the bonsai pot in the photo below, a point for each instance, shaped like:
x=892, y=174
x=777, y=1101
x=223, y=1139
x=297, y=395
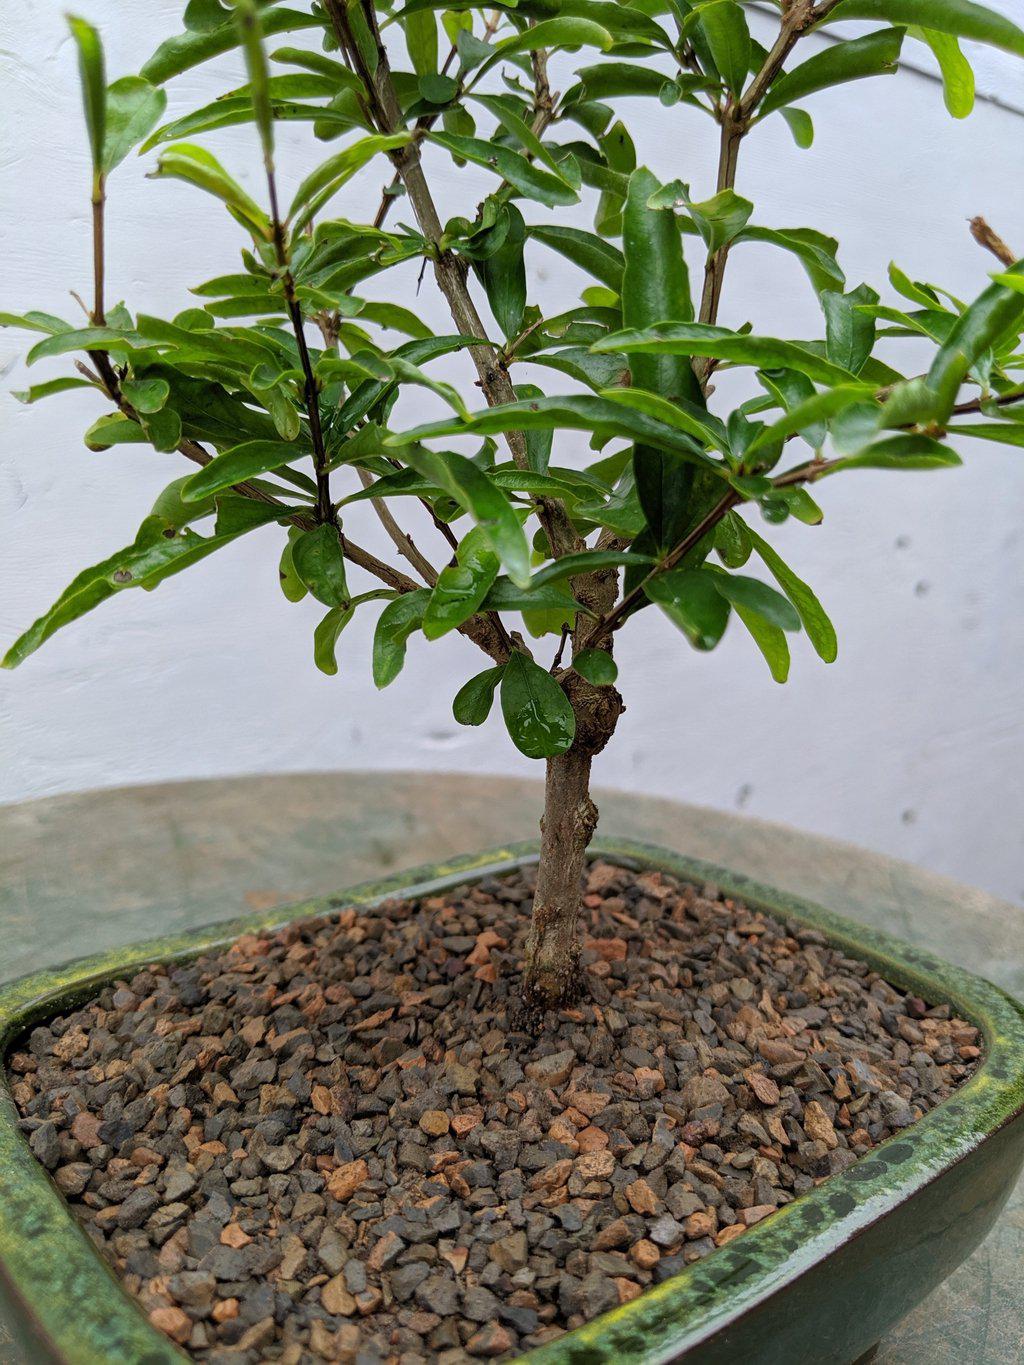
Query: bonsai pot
x=821, y=1279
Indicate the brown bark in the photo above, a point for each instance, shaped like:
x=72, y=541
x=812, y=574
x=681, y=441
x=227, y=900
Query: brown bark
x=551, y=975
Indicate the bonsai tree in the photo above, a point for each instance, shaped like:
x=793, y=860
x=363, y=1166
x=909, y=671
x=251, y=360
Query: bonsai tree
x=279, y=383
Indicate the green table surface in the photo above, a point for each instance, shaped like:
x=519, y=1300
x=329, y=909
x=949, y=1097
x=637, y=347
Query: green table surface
x=89, y=871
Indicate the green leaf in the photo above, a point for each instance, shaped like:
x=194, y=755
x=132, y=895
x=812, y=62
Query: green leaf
x=421, y=41
x=133, y=108
x=703, y=426
x=188, y=49
x=461, y=587
x=325, y=637
x=486, y=504
x=770, y=640
x=728, y=39
x=801, y=126
x=473, y=701
x=992, y=314
x=876, y=54
x=740, y=348
x=396, y=623
x=597, y=666
x=960, y=18
x=565, y=32
x=503, y=275
x=910, y=451
x=196, y=166
x=718, y=219
x=819, y=628
x=577, y=412
x=755, y=596
x=690, y=600
x=91, y=68
x=505, y=596
x=146, y=395
x=587, y=561
x=330, y=175
x=291, y=584
x=82, y=339
x=732, y=542
x=320, y=563
x=44, y=390
x=957, y=74
x=850, y=333
x=522, y=175
x=237, y=464
x=259, y=77
x=159, y=550
x=804, y=416
x=537, y=712
x=591, y=253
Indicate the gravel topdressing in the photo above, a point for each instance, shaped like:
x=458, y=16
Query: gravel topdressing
x=324, y=1144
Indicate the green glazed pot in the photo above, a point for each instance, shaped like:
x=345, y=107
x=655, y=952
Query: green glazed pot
x=819, y=1281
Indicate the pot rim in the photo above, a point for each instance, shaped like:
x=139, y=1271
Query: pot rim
x=83, y=1316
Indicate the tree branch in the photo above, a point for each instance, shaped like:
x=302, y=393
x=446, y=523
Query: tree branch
x=449, y=271
x=402, y=541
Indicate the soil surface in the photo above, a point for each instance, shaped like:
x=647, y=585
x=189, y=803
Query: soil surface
x=325, y=1144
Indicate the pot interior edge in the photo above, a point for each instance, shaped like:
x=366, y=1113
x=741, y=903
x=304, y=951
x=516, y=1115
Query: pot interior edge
x=684, y=1310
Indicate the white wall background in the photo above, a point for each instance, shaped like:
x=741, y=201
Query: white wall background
x=912, y=743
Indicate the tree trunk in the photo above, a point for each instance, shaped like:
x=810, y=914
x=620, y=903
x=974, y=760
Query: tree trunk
x=551, y=975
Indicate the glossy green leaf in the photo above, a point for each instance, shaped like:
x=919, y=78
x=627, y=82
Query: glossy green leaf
x=728, y=39
x=910, y=451
x=320, y=563
x=801, y=125
x=587, y=561
x=420, y=31
x=591, y=253
x=961, y=18
x=396, y=623
x=990, y=316
x=597, y=666
x=325, y=637
x=186, y=50
x=486, y=504
x=566, y=32
x=689, y=598
x=146, y=395
x=522, y=175
x=537, y=712
x=83, y=339
x=732, y=542
x=503, y=275
x=755, y=596
x=462, y=586
x=239, y=463
x=291, y=584
x=813, y=618
x=770, y=640
x=504, y=595
x=876, y=54
x=159, y=550
x=739, y=348
x=849, y=332
x=957, y=73
x=92, y=70
x=718, y=219
x=579, y=412
x=318, y=187
x=473, y=701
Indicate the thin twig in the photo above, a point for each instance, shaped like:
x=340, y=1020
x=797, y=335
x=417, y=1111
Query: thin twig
x=402, y=541
x=991, y=241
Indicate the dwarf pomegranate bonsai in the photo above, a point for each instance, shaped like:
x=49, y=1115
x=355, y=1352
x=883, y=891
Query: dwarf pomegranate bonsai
x=277, y=381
